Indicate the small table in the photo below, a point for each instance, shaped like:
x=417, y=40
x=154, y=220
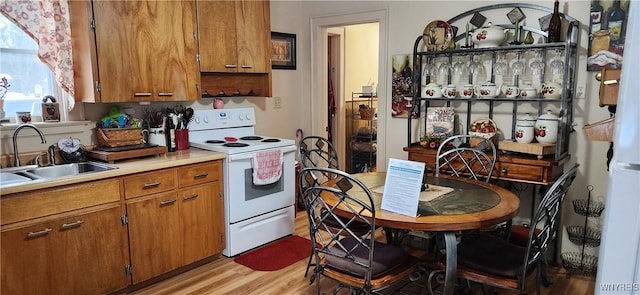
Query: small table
x=471, y=205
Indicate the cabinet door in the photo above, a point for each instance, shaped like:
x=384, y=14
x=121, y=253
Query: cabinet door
x=146, y=50
x=218, y=217
x=253, y=39
x=175, y=49
x=84, y=254
x=154, y=236
x=198, y=230
x=27, y=260
x=217, y=36
x=91, y=253
x=234, y=36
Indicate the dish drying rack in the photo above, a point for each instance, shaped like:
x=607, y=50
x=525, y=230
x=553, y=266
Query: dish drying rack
x=585, y=236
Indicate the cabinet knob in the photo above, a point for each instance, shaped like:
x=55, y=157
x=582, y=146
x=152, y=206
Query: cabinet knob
x=165, y=94
x=247, y=67
x=142, y=94
x=504, y=170
x=230, y=66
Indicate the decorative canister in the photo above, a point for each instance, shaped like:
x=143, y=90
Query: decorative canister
x=546, y=129
x=526, y=120
x=524, y=133
x=432, y=90
x=551, y=90
x=525, y=128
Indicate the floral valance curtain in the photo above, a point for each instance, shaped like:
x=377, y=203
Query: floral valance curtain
x=47, y=22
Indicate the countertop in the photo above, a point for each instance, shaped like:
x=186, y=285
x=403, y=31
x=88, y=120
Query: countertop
x=125, y=167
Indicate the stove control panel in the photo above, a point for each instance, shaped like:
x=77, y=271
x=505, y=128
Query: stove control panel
x=222, y=118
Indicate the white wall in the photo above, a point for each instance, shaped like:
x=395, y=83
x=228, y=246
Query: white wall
x=361, y=57
x=406, y=21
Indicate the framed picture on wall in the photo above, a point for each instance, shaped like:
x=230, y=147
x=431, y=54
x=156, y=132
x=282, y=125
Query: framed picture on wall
x=283, y=51
x=401, y=88
x=607, y=27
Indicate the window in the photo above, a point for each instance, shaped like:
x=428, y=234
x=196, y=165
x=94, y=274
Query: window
x=30, y=79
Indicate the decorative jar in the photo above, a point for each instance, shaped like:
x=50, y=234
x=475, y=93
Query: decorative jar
x=489, y=36
x=546, y=129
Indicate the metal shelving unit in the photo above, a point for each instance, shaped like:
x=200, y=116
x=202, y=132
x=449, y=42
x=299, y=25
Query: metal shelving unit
x=569, y=49
x=363, y=143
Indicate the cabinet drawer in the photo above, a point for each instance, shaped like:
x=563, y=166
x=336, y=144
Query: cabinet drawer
x=200, y=173
x=149, y=183
x=45, y=202
x=520, y=172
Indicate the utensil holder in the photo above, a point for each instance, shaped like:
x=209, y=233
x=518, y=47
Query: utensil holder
x=182, y=139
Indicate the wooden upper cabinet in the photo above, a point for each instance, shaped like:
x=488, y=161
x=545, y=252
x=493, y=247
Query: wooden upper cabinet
x=146, y=50
x=234, y=36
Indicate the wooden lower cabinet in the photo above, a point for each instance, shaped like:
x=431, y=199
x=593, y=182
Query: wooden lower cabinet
x=74, y=239
x=508, y=167
x=154, y=236
x=83, y=254
x=172, y=229
x=198, y=231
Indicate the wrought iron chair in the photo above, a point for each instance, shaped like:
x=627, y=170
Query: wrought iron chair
x=470, y=156
x=317, y=151
x=353, y=259
x=466, y=156
x=492, y=261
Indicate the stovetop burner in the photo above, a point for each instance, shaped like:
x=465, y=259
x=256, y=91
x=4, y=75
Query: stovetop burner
x=214, y=141
x=235, y=144
x=254, y=137
x=271, y=140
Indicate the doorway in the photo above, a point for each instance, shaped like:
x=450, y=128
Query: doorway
x=328, y=37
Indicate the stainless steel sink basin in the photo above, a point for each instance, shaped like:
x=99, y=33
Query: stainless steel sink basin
x=8, y=178
x=26, y=174
x=51, y=172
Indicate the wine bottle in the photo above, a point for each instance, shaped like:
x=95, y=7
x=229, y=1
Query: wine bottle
x=595, y=22
x=555, y=24
x=615, y=22
x=170, y=134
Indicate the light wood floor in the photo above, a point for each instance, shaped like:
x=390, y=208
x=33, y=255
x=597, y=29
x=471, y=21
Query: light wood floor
x=224, y=276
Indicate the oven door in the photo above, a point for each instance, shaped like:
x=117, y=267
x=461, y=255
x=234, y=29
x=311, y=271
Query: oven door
x=244, y=200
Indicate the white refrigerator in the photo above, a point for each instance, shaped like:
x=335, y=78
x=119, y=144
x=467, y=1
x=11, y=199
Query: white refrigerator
x=619, y=258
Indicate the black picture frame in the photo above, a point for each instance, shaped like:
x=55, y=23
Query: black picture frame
x=283, y=51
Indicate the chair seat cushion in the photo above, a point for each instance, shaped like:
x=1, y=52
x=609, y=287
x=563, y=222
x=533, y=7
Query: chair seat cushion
x=520, y=235
x=491, y=255
x=385, y=258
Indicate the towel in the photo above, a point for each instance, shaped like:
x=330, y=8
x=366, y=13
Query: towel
x=267, y=167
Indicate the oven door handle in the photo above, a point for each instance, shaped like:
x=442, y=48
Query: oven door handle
x=243, y=156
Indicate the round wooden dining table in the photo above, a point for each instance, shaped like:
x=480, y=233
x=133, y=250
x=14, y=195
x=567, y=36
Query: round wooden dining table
x=465, y=204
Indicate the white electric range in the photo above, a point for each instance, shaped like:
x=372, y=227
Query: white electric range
x=254, y=214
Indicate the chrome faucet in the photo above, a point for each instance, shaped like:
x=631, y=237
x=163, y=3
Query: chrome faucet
x=16, y=158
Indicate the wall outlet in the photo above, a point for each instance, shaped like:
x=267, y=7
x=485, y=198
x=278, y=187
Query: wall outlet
x=580, y=90
x=277, y=102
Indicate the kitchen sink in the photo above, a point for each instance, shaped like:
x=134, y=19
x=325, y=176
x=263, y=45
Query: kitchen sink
x=26, y=174
x=51, y=172
x=8, y=178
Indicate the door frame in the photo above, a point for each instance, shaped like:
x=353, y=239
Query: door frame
x=319, y=77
